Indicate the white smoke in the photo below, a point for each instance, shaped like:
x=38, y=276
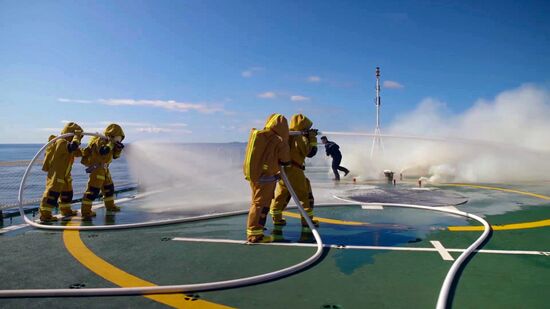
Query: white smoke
x=514, y=128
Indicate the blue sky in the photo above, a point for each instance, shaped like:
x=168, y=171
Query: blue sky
x=194, y=71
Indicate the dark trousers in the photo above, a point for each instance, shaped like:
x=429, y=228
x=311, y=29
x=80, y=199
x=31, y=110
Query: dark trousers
x=336, y=167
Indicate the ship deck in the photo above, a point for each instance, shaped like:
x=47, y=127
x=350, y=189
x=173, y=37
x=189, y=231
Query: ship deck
x=381, y=257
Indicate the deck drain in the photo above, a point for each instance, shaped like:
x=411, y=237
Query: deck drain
x=332, y=306
x=192, y=297
x=77, y=286
x=165, y=239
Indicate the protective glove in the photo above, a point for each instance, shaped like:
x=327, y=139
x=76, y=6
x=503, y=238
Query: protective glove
x=103, y=150
x=119, y=145
x=90, y=169
x=72, y=146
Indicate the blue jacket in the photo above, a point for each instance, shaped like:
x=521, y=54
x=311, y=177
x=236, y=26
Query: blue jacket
x=333, y=150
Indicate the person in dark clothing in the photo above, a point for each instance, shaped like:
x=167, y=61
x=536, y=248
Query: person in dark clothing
x=333, y=150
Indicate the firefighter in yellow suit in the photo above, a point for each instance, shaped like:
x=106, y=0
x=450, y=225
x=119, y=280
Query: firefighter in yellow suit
x=96, y=157
x=301, y=146
x=58, y=163
x=266, y=150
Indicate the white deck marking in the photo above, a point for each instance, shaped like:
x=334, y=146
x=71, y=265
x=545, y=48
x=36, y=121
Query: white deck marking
x=417, y=249
x=442, y=251
x=372, y=207
x=12, y=228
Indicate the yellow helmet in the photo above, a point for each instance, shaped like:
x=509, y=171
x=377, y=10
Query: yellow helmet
x=299, y=122
x=113, y=130
x=71, y=127
x=278, y=124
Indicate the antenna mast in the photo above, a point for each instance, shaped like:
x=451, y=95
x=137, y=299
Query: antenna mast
x=377, y=139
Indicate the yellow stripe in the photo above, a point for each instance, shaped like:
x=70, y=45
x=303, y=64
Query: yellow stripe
x=250, y=232
x=84, y=202
x=326, y=220
x=249, y=150
x=86, y=257
x=108, y=199
x=100, y=177
x=505, y=227
x=63, y=205
x=272, y=121
x=544, y=197
x=60, y=180
x=44, y=207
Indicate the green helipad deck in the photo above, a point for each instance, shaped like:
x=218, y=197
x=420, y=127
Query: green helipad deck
x=374, y=257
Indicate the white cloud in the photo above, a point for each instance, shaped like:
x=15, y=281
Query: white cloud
x=390, y=84
x=125, y=123
x=51, y=130
x=267, y=95
x=298, y=98
x=313, y=79
x=164, y=104
x=86, y=124
x=143, y=127
x=65, y=100
x=157, y=130
x=153, y=130
x=251, y=72
x=58, y=130
x=179, y=125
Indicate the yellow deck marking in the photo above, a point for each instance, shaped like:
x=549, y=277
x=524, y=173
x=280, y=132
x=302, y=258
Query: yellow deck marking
x=469, y=228
x=544, y=197
x=505, y=227
x=88, y=258
x=326, y=220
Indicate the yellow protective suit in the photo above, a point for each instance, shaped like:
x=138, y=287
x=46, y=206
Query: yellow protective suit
x=266, y=150
x=58, y=163
x=301, y=146
x=96, y=157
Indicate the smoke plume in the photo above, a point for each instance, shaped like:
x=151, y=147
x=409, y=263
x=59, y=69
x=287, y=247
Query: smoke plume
x=499, y=140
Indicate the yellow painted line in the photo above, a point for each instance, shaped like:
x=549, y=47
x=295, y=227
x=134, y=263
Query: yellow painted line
x=326, y=220
x=505, y=227
x=99, y=266
x=544, y=197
